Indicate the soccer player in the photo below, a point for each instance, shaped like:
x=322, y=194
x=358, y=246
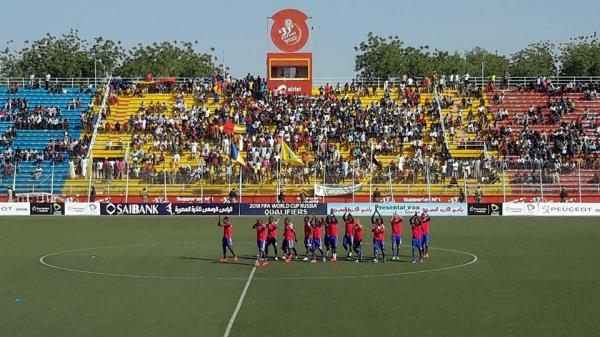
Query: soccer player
x=415, y=224
x=289, y=234
x=307, y=237
x=378, y=236
x=326, y=239
x=271, y=236
x=227, y=242
x=348, y=241
x=316, y=239
x=425, y=233
x=261, y=237
x=357, y=239
x=331, y=229
x=396, y=224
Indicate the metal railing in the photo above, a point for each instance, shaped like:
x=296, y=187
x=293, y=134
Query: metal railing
x=318, y=81
x=95, y=133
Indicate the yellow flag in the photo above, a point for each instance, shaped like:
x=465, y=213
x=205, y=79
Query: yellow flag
x=289, y=157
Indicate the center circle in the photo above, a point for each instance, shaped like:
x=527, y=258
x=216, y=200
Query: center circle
x=240, y=271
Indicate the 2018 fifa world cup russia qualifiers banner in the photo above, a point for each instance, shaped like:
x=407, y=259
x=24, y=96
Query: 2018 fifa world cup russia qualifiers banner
x=388, y=209
x=168, y=209
x=283, y=209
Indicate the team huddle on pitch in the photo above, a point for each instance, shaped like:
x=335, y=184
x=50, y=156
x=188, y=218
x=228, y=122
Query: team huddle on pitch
x=266, y=236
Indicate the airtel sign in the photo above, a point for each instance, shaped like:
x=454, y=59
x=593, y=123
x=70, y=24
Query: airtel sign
x=289, y=32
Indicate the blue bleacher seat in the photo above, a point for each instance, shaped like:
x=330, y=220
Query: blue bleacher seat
x=38, y=139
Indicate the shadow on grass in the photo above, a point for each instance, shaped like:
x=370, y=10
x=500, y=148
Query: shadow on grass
x=242, y=260
x=249, y=260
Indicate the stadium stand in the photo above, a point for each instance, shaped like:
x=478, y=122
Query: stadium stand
x=434, y=136
x=41, y=134
x=332, y=132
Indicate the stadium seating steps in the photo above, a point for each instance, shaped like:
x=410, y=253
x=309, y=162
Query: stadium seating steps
x=39, y=139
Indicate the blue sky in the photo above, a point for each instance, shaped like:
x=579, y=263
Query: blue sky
x=238, y=29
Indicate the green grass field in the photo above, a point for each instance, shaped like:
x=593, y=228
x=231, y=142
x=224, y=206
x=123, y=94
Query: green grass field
x=159, y=277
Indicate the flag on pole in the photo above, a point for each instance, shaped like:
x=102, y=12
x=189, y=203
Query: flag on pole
x=234, y=154
x=289, y=157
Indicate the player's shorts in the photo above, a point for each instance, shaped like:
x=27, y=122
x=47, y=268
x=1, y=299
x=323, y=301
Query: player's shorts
x=417, y=243
x=357, y=243
x=289, y=244
x=227, y=242
x=307, y=242
x=327, y=243
x=261, y=244
x=378, y=244
x=348, y=240
x=396, y=239
x=333, y=241
x=316, y=243
x=425, y=238
x=272, y=241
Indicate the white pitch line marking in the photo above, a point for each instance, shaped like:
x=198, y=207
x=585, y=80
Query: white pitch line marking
x=239, y=304
x=42, y=260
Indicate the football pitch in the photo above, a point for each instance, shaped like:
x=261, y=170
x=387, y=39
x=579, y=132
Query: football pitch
x=159, y=276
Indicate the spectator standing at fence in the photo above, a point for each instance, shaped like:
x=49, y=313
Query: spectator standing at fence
x=47, y=81
x=478, y=194
x=563, y=194
x=461, y=195
x=376, y=195
x=232, y=196
x=93, y=194
x=145, y=195
x=9, y=194
x=303, y=196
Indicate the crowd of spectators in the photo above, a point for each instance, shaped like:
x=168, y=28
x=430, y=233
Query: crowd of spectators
x=339, y=138
x=336, y=135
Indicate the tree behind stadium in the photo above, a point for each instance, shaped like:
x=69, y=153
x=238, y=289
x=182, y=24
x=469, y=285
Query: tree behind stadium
x=71, y=56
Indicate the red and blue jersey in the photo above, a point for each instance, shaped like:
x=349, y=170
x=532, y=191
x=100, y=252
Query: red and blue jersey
x=417, y=231
x=272, y=230
x=227, y=229
x=261, y=233
x=379, y=233
x=332, y=229
x=397, y=226
x=316, y=231
x=349, y=228
x=425, y=226
x=358, y=233
x=307, y=230
x=288, y=232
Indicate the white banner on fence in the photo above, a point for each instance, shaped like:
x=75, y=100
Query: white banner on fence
x=518, y=208
x=82, y=208
x=569, y=209
x=14, y=208
x=387, y=209
x=331, y=191
x=551, y=209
